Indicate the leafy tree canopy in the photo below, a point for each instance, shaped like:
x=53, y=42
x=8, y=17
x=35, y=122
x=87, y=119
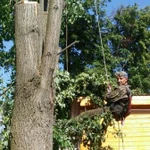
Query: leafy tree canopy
x=129, y=44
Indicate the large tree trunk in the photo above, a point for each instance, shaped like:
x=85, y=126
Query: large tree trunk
x=37, y=40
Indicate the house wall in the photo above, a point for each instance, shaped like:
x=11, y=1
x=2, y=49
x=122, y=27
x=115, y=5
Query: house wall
x=136, y=128
x=136, y=132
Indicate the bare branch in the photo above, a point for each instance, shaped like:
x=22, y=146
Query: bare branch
x=67, y=47
x=7, y=89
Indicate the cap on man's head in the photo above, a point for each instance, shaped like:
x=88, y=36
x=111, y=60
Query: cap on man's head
x=122, y=74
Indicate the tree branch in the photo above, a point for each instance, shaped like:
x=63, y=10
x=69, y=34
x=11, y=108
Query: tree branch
x=92, y=113
x=7, y=89
x=67, y=47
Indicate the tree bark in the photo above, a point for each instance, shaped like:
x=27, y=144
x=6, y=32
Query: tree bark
x=37, y=40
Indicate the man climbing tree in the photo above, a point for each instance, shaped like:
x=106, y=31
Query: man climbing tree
x=119, y=99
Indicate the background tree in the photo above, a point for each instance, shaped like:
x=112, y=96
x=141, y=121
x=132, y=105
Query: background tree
x=82, y=26
x=7, y=61
x=129, y=44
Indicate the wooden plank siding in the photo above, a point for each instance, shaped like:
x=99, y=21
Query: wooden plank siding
x=136, y=129
x=136, y=132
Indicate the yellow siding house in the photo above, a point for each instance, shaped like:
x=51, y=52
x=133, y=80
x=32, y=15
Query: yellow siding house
x=136, y=129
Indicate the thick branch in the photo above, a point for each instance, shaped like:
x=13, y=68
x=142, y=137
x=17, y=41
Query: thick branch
x=51, y=42
x=93, y=112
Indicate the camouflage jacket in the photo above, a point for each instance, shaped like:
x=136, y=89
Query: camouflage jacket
x=123, y=93
x=119, y=102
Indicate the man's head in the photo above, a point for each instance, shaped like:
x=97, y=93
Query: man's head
x=122, y=78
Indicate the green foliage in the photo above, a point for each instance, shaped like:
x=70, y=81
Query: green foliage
x=6, y=104
x=73, y=10
x=67, y=133
x=6, y=21
x=7, y=61
x=85, y=54
x=94, y=131
x=85, y=84
x=128, y=40
x=89, y=131
x=65, y=93
x=61, y=137
x=7, y=58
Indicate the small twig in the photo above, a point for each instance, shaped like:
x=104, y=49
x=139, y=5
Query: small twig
x=7, y=89
x=67, y=47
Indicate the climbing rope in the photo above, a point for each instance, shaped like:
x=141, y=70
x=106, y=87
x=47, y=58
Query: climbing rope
x=105, y=66
x=120, y=136
x=101, y=41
